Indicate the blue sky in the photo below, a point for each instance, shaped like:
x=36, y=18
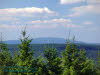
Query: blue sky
x=51, y=18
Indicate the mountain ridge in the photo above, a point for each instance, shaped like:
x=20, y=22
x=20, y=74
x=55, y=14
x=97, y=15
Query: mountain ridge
x=43, y=40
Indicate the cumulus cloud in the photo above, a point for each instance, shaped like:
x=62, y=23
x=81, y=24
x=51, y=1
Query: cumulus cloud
x=70, y=1
x=17, y=13
x=27, y=10
x=7, y=26
x=79, y=1
x=8, y=19
x=52, y=20
x=89, y=9
x=93, y=1
x=88, y=22
x=52, y=23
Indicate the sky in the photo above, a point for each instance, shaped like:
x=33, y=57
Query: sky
x=51, y=18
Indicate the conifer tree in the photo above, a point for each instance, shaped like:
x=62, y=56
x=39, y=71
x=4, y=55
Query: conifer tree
x=5, y=57
x=25, y=55
x=98, y=63
x=53, y=61
x=40, y=64
x=75, y=62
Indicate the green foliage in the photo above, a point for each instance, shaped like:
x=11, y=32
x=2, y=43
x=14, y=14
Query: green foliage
x=5, y=58
x=72, y=62
x=24, y=58
x=98, y=63
x=40, y=64
x=53, y=61
x=75, y=62
x=70, y=71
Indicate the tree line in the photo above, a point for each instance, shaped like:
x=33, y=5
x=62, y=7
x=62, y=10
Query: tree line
x=73, y=61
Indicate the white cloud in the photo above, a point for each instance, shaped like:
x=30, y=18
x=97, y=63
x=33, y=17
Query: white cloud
x=93, y=1
x=10, y=13
x=89, y=9
x=28, y=10
x=88, y=22
x=79, y=1
x=17, y=15
x=52, y=20
x=6, y=26
x=53, y=23
x=8, y=19
x=70, y=1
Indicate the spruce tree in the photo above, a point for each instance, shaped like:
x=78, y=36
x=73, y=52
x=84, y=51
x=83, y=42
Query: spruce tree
x=75, y=62
x=5, y=58
x=25, y=56
x=53, y=61
x=98, y=62
x=40, y=64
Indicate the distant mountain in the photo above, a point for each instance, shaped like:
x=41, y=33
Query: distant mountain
x=43, y=41
x=13, y=42
x=48, y=40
